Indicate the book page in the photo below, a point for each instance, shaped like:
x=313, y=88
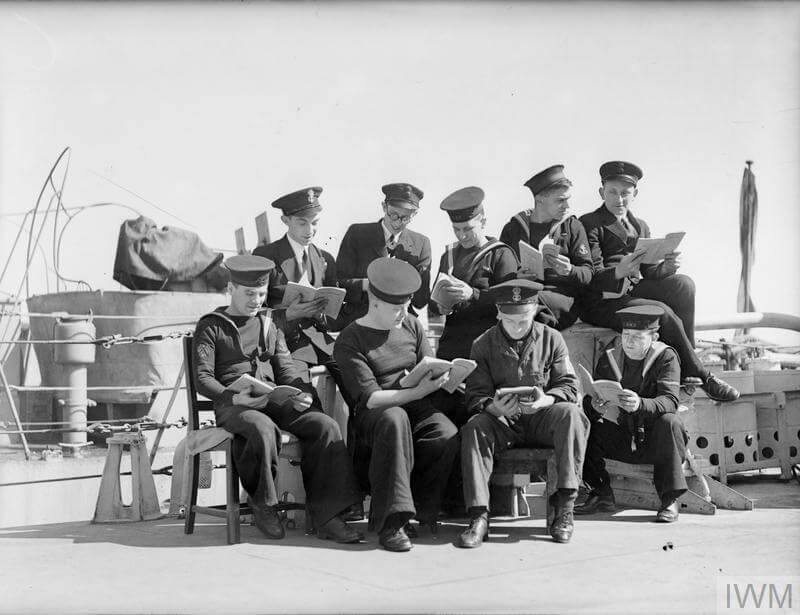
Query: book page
x=531, y=260
x=458, y=373
x=432, y=364
x=658, y=248
x=334, y=297
x=294, y=290
x=439, y=294
x=246, y=382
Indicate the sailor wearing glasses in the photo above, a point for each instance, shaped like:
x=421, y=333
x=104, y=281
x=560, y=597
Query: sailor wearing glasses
x=365, y=242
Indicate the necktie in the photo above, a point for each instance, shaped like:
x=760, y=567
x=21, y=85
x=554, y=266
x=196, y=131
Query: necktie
x=391, y=244
x=304, y=263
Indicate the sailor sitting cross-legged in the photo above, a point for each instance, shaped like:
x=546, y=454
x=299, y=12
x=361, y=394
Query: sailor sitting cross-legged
x=239, y=339
x=648, y=429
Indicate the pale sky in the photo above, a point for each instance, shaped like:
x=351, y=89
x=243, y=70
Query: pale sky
x=211, y=111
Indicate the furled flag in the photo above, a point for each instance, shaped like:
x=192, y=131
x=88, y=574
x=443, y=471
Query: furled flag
x=748, y=215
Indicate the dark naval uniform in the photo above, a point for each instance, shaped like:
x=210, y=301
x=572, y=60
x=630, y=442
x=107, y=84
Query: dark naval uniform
x=225, y=347
x=411, y=447
x=609, y=242
x=653, y=434
x=321, y=272
x=362, y=244
x=481, y=268
x=560, y=292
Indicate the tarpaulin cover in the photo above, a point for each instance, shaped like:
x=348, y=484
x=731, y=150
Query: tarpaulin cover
x=148, y=257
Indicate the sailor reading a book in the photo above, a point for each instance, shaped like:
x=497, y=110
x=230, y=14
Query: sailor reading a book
x=302, y=286
x=518, y=352
x=241, y=339
x=410, y=444
x=648, y=429
x=552, y=247
x=623, y=277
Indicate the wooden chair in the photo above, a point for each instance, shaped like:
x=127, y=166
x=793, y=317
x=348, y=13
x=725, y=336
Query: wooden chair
x=512, y=474
x=201, y=439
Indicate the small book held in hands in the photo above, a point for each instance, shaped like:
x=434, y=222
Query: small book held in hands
x=656, y=248
x=458, y=370
x=607, y=390
x=522, y=391
x=278, y=393
x=439, y=292
x=532, y=260
x=333, y=295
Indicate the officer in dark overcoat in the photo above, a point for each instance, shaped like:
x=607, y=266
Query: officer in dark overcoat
x=389, y=236
x=613, y=231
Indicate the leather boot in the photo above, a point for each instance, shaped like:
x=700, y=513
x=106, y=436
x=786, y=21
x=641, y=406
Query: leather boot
x=338, y=530
x=267, y=520
x=394, y=539
x=597, y=503
x=669, y=511
x=475, y=534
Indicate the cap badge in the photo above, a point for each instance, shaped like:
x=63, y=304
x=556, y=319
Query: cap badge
x=516, y=294
x=311, y=197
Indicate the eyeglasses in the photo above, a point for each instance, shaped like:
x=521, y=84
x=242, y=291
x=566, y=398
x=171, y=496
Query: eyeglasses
x=394, y=217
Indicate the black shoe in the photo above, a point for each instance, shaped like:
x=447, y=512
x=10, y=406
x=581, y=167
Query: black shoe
x=563, y=526
x=669, y=511
x=353, y=513
x=596, y=503
x=267, y=520
x=475, y=534
x=338, y=530
x=411, y=530
x=393, y=539
x=719, y=390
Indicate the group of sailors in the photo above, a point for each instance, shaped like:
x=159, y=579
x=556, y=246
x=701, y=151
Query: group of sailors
x=412, y=447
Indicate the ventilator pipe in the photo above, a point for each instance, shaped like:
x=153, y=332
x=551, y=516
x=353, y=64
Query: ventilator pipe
x=744, y=320
x=74, y=358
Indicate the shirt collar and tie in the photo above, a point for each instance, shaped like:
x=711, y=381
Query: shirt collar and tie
x=390, y=237
x=301, y=257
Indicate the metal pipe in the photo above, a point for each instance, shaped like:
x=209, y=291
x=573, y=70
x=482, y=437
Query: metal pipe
x=743, y=320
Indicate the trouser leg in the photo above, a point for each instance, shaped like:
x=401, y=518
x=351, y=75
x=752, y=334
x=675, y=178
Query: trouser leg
x=558, y=312
x=606, y=441
x=256, y=444
x=435, y=448
x=387, y=434
x=328, y=477
x=564, y=427
x=678, y=292
x=483, y=437
x=666, y=450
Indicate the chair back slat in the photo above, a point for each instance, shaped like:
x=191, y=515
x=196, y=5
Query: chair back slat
x=194, y=405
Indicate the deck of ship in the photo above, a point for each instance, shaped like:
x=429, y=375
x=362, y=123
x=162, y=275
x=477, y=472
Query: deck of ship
x=621, y=563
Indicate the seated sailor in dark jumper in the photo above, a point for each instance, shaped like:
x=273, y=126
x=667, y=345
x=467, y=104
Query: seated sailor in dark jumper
x=242, y=339
x=648, y=429
x=411, y=443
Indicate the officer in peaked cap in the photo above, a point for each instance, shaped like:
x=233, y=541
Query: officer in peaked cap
x=467, y=269
x=398, y=430
x=548, y=221
x=518, y=351
x=389, y=236
x=298, y=259
x=242, y=339
x=613, y=232
x=646, y=428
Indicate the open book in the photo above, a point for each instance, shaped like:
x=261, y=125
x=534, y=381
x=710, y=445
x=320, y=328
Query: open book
x=532, y=260
x=657, y=248
x=607, y=390
x=439, y=293
x=458, y=370
x=278, y=393
x=333, y=294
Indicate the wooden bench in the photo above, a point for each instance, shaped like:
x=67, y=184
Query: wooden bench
x=512, y=473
